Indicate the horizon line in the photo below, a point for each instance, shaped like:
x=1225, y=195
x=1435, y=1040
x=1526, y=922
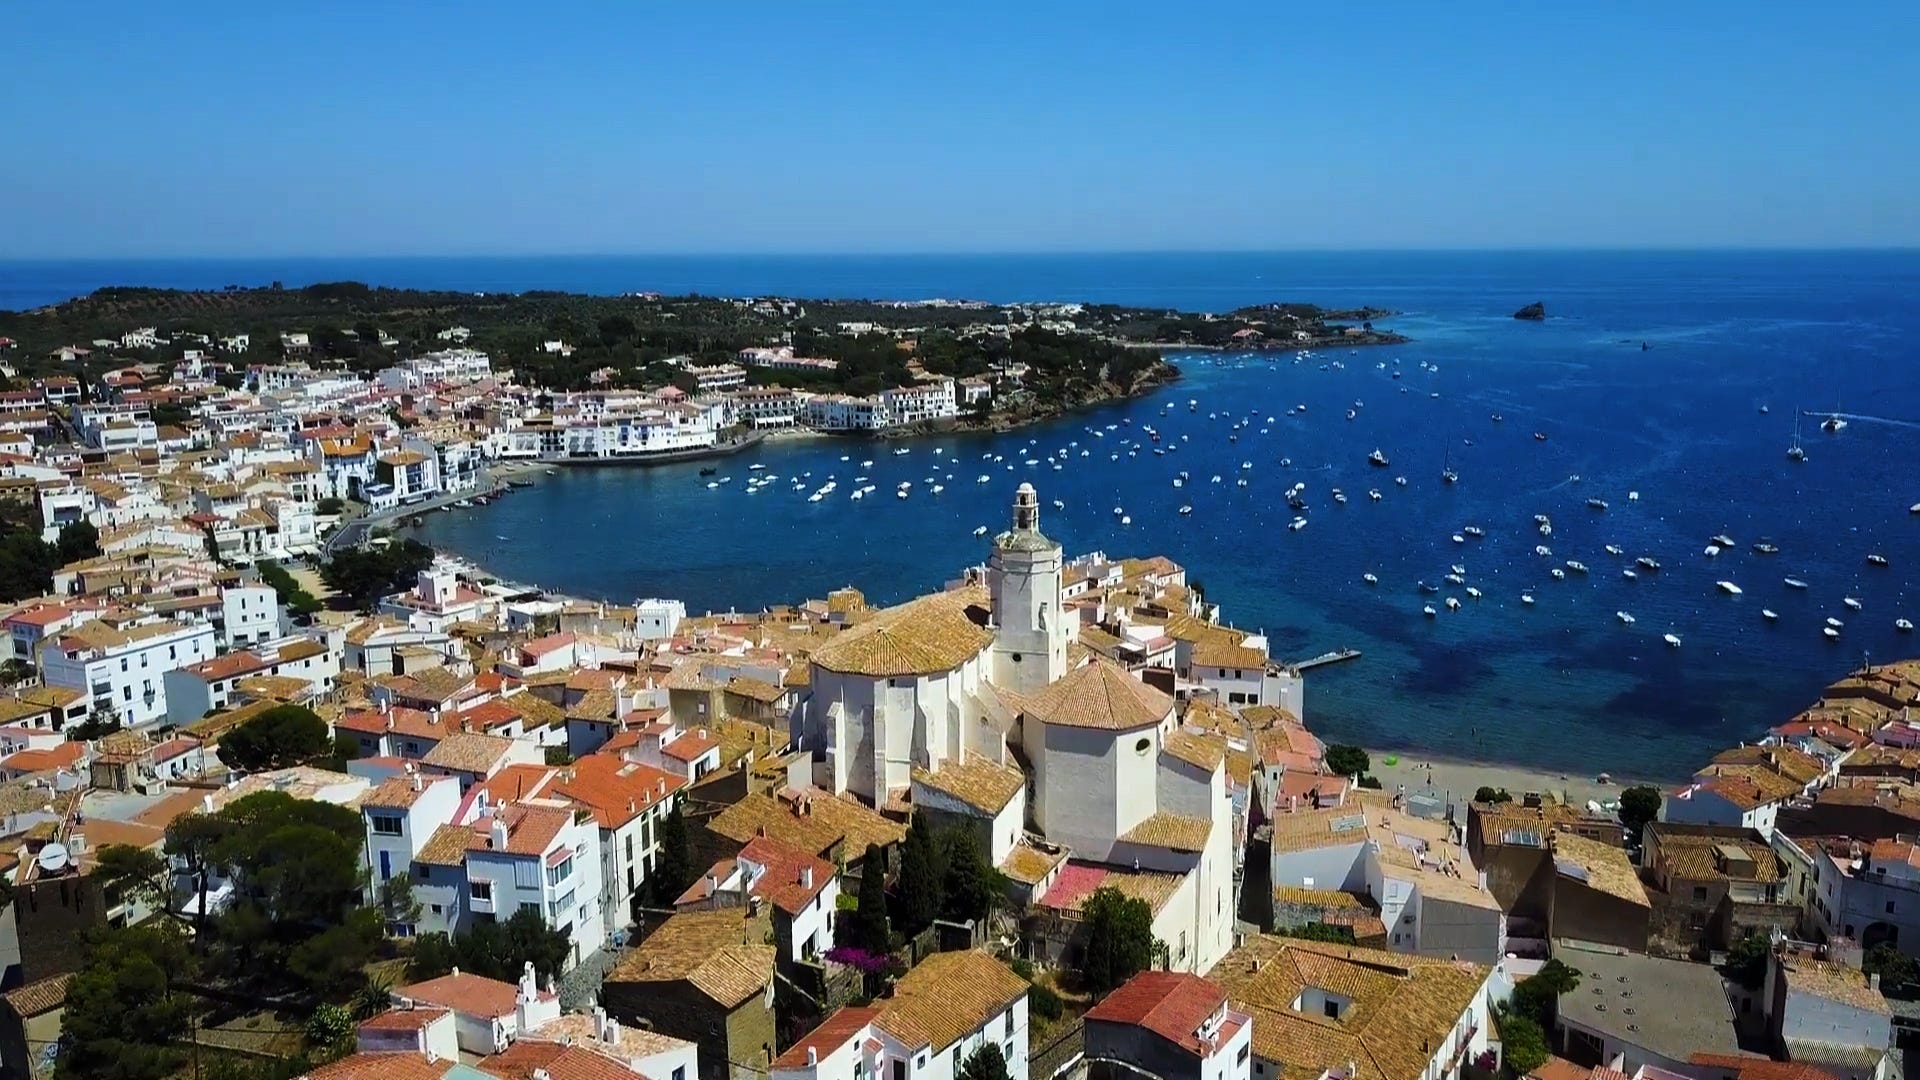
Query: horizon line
x=977, y=254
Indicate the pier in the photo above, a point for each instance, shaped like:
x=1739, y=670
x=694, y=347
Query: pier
x=1337, y=656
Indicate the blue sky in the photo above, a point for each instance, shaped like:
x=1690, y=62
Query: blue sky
x=141, y=129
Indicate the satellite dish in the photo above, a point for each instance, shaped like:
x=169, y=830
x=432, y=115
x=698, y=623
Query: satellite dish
x=54, y=858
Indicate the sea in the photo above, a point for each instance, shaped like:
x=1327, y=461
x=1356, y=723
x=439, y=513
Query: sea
x=1665, y=384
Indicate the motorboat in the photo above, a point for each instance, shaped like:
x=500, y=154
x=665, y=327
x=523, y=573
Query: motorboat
x=1400, y=480
x=1474, y=531
x=1729, y=588
x=1185, y=510
x=1648, y=563
x=1764, y=548
x=1454, y=579
x=1852, y=602
x=1370, y=578
x=1616, y=549
x=1457, y=568
x=1876, y=560
x=1903, y=626
x=1576, y=566
x=1473, y=592
x=1769, y=614
x=1597, y=504
x=1834, y=623
x=978, y=531
x=1453, y=603
x=1526, y=598
x=1672, y=640
x=1374, y=494
x=1428, y=611
x=1830, y=633
x=1426, y=588
x=1558, y=574
x=1543, y=551
x=1541, y=519
x=1539, y=436
x=1629, y=574
x=1711, y=551
x=1794, y=583
x=1378, y=459
x=1723, y=540
x=1297, y=524
x=1458, y=539
x=1624, y=617
x=1545, y=530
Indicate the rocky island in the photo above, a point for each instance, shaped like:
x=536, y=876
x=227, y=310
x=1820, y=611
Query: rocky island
x=1534, y=312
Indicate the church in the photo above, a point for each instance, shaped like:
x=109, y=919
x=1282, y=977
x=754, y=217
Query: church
x=964, y=703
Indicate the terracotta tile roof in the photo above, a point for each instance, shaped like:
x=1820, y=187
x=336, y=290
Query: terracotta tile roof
x=412, y=723
x=921, y=637
x=1170, y=1004
x=381, y=1067
x=1600, y=865
x=531, y=828
x=717, y=952
x=64, y=756
x=39, y=997
x=474, y=995
x=1402, y=1006
x=446, y=847
x=403, y=1019
x=690, y=745
x=827, y=820
x=468, y=751
x=518, y=782
x=1699, y=857
x=617, y=791
x=1028, y=864
x=781, y=884
x=832, y=1033
x=1222, y=654
x=399, y=792
x=1100, y=695
x=1079, y=880
x=985, y=785
x=1834, y=982
x=1205, y=752
x=1176, y=831
x=948, y=996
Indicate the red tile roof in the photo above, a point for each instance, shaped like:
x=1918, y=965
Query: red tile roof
x=1170, y=1004
x=615, y=790
x=781, y=883
x=403, y=1019
x=64, y=756
x=690, y=745
x=831, y=1035
x=465, y=992
x=382, y=1067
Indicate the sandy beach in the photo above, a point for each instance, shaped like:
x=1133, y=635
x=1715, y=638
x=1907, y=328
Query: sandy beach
x=1458, y=780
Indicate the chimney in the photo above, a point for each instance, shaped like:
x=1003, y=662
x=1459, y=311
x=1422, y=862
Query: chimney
x=1873, y=980
x=599, y=1023
x=499, y=833
x=416, y=781
x=806, y=877
x=456, y=971
x=813, y=1057
x=206, y=803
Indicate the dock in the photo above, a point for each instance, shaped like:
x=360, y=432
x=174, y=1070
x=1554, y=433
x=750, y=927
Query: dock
x=1337, y=656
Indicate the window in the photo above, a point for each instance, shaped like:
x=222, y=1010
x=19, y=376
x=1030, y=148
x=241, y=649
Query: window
x=384, y=824
x=558, y=874
x=1889, y=907
x=1699, y=892
x=435, y=908
x=1016, y=658
x=680, y=1071
x=526, y=874
x=1143, y=745
x=1241, y=1057
x=480, y=890
x=1331, y=1008
x=629, y=847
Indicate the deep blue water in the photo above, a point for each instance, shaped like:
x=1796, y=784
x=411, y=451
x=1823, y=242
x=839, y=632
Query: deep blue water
x=1561, y=684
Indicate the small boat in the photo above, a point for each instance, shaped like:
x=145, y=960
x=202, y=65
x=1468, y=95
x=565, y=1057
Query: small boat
x=1473, y=592
x=1542, y=519
x=983, y=478
x=1903, y=626
x=1558, y=574
x=756, y=467
x=1914, y=509
x=1833, y=623
x=1400, y=480
x=1794, y=583
x=1543, y=551
x=1633, y=496
x=1118, y=512
x=1526, y=598
x=712, y=484
x=1457, y=568
x=1539, y=436
x=1124, y=520
x=1796, y=452
x=1876, y=560
x=1597, y=504
x=1616, y=549
x=1723, y=540
x=980, y=531
x=1831, y=633
x=1728, y=587
x=1852, y=602
x=1576, y=566
x=1426, y=588
x=1297, y=524
x=1378, y=459
x=1338, y=496
x=709, y=471
x=1428, y=611
x=1454, y=579
x=1764, y=548
x=1769, y=614
x=1711, y=550
x=1185, y=510
x=1673, y=640
x=1648, y=563
x=1374, y=494
x=1369, y=578
x=1629, y=575
x=1059, y=504
x=1497, y=418
x=1623, y=617
x=1351, y=414
x=1458, y=539
x=1453, y=603
x=1474, y=531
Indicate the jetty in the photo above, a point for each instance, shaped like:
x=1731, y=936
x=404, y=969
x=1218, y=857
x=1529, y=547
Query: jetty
x=1337, y=656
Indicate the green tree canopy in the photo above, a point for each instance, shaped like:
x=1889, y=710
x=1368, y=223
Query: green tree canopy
x=1344, y=760
x=364, y=575
x=923, y=877
x=279, y=738
x=1638, y=806
x=138, y=875
x=986, y=1063
x=1898, y=972
x=974, y=886
x=497, y=950
x=124, y=1010
x=1119, y=938
x=1538, y=997
x=1522, y=1042
x=673, y=870
x=869, y=928
x=1747, y=960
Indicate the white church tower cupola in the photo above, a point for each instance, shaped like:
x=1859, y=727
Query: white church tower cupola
x=1023, y=575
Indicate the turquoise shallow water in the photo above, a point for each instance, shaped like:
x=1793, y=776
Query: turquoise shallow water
x=1560, y=684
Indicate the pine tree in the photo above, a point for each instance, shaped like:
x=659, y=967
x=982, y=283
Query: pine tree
x=869, y=929
x=923, y=874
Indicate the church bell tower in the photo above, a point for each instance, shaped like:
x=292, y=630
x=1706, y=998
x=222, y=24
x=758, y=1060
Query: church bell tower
x=1023, y=575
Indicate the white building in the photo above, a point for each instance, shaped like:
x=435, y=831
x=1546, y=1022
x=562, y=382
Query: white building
x=1168, y=1024
x=401, y=815
x=803, y=889
x=1024, y=578
x=1724, y=800
x=940, y=1013
x=124, y=669
x=656, y=619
